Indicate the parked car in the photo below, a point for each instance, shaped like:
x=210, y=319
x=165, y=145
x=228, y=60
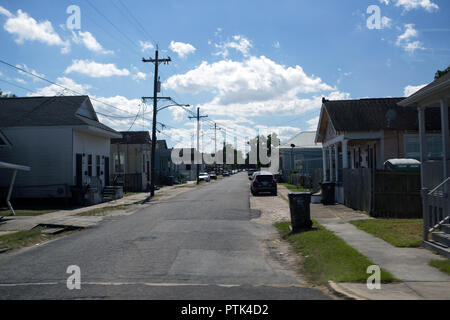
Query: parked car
x=203, y=176
x=250, y=173
x=226, y=174
x=263, y=182
x=213, y=175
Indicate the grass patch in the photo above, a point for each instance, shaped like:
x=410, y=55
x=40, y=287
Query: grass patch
x=328, y=257
x=26, y=212
x=294, y=188
x=442, y=265
x=26, y=238
x=104, y=210
x=398, y=232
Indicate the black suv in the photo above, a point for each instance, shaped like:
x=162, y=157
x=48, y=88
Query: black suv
x=263, y=182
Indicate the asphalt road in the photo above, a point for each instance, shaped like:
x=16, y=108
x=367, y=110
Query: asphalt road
x=201, y=244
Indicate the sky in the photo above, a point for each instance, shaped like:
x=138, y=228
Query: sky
x=250, y=66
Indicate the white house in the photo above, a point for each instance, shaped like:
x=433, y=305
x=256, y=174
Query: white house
x=432, y=103
x=63, y=142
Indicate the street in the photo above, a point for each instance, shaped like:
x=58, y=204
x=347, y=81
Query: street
x=201, y=244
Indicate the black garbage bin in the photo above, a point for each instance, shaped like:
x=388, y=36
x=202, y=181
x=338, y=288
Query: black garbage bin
x=328, y=193
x=170, y=180
x=300, y=211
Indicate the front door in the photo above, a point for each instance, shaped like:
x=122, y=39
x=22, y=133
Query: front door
x=106, y=171
x=79, y=170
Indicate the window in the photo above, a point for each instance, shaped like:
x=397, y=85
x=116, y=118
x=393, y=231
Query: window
x=90, y=165
x=97, y=164
x=119, y=162
x=433, y=146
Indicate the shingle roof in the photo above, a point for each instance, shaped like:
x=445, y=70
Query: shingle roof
x=303, y=140
x=371, y=115
x=133, y=137
x=46, y=111
x=139, y=137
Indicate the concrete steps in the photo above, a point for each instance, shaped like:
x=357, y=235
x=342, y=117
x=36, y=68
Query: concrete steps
x=437, y=247
x=440, y=241
x=112, y=193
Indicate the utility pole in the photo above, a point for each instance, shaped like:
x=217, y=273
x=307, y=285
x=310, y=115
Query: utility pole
x=156, y=87
x=215, y=147
x=198, y=117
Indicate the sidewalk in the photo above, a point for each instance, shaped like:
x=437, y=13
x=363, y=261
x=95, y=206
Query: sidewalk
x=70, y=218
x=420, y=281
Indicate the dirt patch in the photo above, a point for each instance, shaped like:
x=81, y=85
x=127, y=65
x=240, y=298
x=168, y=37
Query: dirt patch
x=273, y=209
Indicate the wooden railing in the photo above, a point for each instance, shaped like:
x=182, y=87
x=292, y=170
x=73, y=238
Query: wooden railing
x=436, y=208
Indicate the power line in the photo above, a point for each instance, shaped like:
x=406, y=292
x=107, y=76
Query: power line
x=137, y=22
x=61, y=86
x=111, y=23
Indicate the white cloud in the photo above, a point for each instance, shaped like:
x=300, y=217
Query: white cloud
x=417, y=4
x=25, y=67
x=257, y=79
x=145, y=45
x=386, y=22
x=255, y=87
x=89, y=41
x=5, y=12
x=239, y=43
x=139, y=76
x=313, y=123
x=405, y=39
x=20, y=80
x=410, y=90
x=25, y=28
x=182, y=49
x=95, y=69
x=53, y=90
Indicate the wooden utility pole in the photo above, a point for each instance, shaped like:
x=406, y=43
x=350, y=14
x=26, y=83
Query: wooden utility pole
x=198, y=117
x=156, y=87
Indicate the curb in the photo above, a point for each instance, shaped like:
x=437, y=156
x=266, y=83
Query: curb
x=343, y=293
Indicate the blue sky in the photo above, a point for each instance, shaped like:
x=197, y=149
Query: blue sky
x=250, y=65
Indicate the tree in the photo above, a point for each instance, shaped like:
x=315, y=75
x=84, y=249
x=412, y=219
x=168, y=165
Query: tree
x=441, y=73
x=3, y=96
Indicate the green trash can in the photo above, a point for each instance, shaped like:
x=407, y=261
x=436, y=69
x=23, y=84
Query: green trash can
x=299, y=205
x=328, y=193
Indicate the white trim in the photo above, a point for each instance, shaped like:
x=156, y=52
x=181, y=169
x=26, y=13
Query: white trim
x=333, y=141
x=420, y=96
x=14, y=166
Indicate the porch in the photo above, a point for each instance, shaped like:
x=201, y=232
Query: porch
x=351, y=151
x=432, y=103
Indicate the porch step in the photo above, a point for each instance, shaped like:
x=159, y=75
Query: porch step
x=441, y=237
x=446, y=228
x=437, y=247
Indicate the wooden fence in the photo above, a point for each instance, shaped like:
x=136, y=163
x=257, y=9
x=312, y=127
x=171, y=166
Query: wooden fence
x=384, y=194
x=358, y=189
